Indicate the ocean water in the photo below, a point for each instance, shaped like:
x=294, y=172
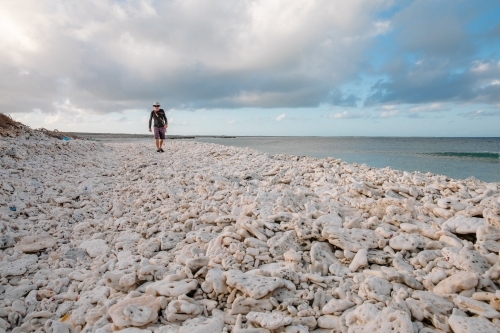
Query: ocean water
x=457, y=158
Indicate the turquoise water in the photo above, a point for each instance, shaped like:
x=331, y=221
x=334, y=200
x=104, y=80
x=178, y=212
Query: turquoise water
x=457, y=158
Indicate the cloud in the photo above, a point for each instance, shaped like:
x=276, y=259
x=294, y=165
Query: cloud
x=107, y=55
x=388, y=107
x=480, y=67
x=67, y=106
x=280, y=117
x=347, y=115
x=389, y=114
x=481, y=113
x=436, y=82
x=436, y=57
x=336, y=97
x=432, y=107
x=435, y=27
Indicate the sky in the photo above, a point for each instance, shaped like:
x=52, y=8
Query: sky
x=254, y=67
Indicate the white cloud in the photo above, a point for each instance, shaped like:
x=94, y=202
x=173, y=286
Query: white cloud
x=346, y=115
x=389, y=114
x=88, y=59
x=481, y=113
x=69, y=117
x=117, y=54
x=16, y=36
x=474, y=114
x=280, y=117
x=67, y=106
x=480, y=66
x=64, y=112
x=431, y=107
x=388, y=107
x=381, y=27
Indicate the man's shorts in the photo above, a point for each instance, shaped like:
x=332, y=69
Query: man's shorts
x=160, y=133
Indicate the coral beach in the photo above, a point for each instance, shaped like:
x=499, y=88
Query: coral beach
x=206, y=238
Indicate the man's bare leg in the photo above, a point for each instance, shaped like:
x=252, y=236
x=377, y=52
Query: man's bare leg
x=161, y=143
x=158, y=144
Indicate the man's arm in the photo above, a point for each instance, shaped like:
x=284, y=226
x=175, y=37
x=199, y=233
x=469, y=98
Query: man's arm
x=150, y=119
x=166, y=121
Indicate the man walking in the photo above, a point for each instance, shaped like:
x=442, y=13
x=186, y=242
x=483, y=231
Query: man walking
x=160, y=125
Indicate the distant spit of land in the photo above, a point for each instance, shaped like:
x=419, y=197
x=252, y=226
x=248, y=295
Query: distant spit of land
x=115, y=136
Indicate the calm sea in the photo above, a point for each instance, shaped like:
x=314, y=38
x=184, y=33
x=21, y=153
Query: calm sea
x=457, y=158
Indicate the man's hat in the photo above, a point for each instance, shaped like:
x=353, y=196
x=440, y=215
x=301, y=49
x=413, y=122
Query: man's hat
x=156, y=104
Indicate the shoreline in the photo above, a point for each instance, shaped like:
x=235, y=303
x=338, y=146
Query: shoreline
x=435, y=155
x=205, y=233
x=125, y=135
x=117, y=136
